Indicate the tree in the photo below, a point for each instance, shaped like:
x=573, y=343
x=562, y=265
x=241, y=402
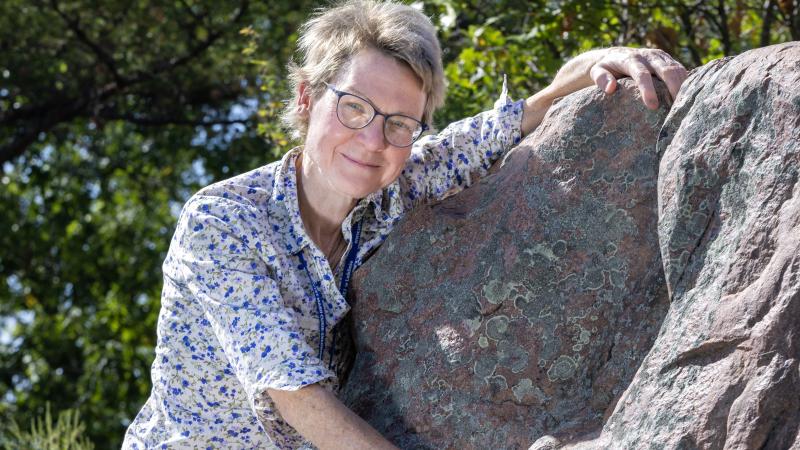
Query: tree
x=113, y=113
x=529, y=41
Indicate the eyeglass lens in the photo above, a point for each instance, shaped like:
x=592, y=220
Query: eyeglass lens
x=356, y=113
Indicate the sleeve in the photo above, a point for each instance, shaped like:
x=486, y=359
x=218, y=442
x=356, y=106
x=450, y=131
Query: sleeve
x=453, y=159
x=222, y=255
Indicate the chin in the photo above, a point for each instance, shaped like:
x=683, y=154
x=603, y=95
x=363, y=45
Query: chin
x=356, y=190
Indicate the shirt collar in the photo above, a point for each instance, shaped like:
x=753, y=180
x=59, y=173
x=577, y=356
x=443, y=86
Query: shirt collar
x=387, y=205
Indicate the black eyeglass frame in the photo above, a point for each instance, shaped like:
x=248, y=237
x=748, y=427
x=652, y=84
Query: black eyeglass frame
x=375, y=112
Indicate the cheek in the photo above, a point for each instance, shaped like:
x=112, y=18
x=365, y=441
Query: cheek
x=323, y=132
x=322, y=119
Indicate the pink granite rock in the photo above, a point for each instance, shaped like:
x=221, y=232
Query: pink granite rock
x=723, y=373
x=523, y=305
x=518, y=310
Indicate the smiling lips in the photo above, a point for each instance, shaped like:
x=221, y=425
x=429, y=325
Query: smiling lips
x=360, y=163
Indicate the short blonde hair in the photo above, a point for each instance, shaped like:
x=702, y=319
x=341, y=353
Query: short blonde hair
x=330, y=39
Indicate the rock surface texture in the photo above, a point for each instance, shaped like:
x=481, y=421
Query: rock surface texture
x=532, y=308
x=723, y=373
x=524, y=304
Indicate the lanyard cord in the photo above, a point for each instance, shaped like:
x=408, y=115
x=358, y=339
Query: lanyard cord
x=349, y=267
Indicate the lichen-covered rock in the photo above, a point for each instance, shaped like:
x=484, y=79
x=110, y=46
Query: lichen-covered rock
x=723, y=373
x=523, y=305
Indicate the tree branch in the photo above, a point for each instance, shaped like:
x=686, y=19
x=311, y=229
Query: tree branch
x=723, y=27
x=720, y=23
x=45, y=117
x=102, y=55
x=172, y=63
x=769, y=16
x=685, y=14
x=190, y=11
x=42, y=117
x=161, y=121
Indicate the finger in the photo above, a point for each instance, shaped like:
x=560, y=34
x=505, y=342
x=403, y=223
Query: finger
x=673, y=76
x=640, y=72
x=603, y=78
x=667, y=69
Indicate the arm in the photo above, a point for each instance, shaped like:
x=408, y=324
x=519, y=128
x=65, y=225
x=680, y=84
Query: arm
x=322, y=419
x=602, y=67
x=572, y=77
x=454, y=158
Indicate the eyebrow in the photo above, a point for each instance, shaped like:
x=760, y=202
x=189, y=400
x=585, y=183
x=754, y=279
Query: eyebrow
x=353, y=90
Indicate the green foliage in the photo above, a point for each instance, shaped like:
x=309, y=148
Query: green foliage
x=113, y=113
x=149, y=102
x=530, y=40
x=66, y=433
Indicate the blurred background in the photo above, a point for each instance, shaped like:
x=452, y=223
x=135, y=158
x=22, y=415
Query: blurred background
x=112, y=113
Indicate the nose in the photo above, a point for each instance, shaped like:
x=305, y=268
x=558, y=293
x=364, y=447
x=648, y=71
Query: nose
x=372, y=135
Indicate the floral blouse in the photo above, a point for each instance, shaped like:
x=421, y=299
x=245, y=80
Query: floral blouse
x=238, y=311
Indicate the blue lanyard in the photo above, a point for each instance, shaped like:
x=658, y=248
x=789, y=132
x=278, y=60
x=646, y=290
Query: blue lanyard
x=347, y=272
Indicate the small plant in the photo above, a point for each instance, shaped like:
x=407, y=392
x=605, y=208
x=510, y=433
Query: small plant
x=66, y=433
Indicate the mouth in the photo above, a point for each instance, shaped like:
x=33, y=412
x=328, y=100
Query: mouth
x=360, y=163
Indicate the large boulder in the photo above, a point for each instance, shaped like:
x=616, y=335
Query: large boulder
x=723, y=373
x=524, y=305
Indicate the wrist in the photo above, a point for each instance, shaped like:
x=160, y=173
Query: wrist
x=535, y=107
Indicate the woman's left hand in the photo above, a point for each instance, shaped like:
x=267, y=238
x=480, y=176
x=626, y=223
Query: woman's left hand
x=640, y=64
x=602, y=67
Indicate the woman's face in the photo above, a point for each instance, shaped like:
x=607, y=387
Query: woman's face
x=355, y=163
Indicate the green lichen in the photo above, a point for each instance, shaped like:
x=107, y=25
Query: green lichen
x=562, y=369
x=496, y=327
x=526, y=393
x=473, y=325
x=593, y=279
x=528, y=305
x=512, y=356
x=542, y=250
x=484, y=367
x=498, y=383
x=496, y=292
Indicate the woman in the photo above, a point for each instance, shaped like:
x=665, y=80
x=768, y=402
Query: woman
x=248, y=354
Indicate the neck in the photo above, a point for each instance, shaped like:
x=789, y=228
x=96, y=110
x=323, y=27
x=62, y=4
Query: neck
x=321, y=209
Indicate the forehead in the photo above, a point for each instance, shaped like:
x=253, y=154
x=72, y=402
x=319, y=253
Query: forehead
x=388, y=83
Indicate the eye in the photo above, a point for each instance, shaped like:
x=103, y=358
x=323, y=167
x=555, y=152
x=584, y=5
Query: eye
x=355, y=106
x=399, y=125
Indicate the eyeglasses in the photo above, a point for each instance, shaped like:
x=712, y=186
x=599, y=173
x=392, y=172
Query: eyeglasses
x=355, y=113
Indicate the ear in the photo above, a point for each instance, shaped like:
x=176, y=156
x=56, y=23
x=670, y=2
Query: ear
x=304, y=99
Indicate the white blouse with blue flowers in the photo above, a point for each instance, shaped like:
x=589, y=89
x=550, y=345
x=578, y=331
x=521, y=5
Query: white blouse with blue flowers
x=238, y=313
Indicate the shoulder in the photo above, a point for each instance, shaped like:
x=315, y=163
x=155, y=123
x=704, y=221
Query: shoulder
x=240, y=208
x=234, y=201
x=249, y=190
